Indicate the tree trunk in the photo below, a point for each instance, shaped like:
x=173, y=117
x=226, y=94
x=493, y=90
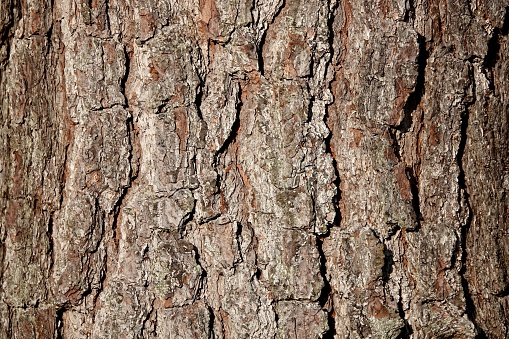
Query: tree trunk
x=254, y=169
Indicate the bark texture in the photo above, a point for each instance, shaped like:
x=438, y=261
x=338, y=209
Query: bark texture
x=254, y=169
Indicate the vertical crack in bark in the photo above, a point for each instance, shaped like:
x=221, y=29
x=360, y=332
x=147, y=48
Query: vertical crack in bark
x=388, y=265
x=59, y=323
x=63, y=176
x=199, y=97
x=276, y=320
x=325, y=298
x=492, y=56
x=155, y=323
x=203, y=277
x=123, y=80
x=146, y=319
x=9, y=321
x=238, y=235
x=259, y=53
x=261, y=42
x=414, y=189
x=131, y=135
x=337, y=198
x=463, y=199
x=107, y=13
x=310, y=106
x=7, y=34
x=212, y=319
x=51, y=243
x=407, y=330
x=328, y=139
x=410, y=11
x=415, y=98
x=133, y=174
x=132, y=138
x=232, y=137
x=409, y=109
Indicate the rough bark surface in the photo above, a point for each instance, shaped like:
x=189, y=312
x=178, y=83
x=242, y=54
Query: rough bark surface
x=254, y=169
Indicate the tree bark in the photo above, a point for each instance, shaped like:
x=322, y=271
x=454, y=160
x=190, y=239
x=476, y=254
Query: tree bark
x=254, y=169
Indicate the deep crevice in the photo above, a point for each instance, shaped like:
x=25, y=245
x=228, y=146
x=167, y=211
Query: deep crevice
x=414, y=189
x=328, y=140
x=146, y=319
x=388, y=266
x=199, y=99
x=415, y=98
x=9, y=321
x=131, y=135
x=186, y=220
x=463, y=198
x=259, y=53
x=409, y=109
x=203, y=276
x=326, y=300
x=407, y=330
x=261, y=43
x=492, y=55
x=238, y=235
x=7, y=35
x=232, y=137
x=326, y=293
x=411, y=177
x=51, y=250
x=123, y=80
x=212, y=319
x=59, y=323
x=107, y=12
x=276, y=320
x=505, y=26
x=337, y=197
x=310, y=108
x=504, y=293
x=470, y=308
x=394, y=142
x=410, y=12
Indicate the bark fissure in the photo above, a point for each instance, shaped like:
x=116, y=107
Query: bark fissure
x=151, y=310
x=9, y=321
x=325, y=298
x=463, y=198
x=492, y=55
x=415, y=98
x=407, y=330
x=232, y=137
x=276, y=319
x=6, y=36
x=59, y=323
x=259, y=52
x=133, y=175
x=410, y=108
x=212, y=319
x=410, y=11
x=414, y=189
x=263, y=36
x=51, y=250
x=125, y=77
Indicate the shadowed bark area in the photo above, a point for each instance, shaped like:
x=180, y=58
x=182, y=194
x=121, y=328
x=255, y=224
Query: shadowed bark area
x=254, y=169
